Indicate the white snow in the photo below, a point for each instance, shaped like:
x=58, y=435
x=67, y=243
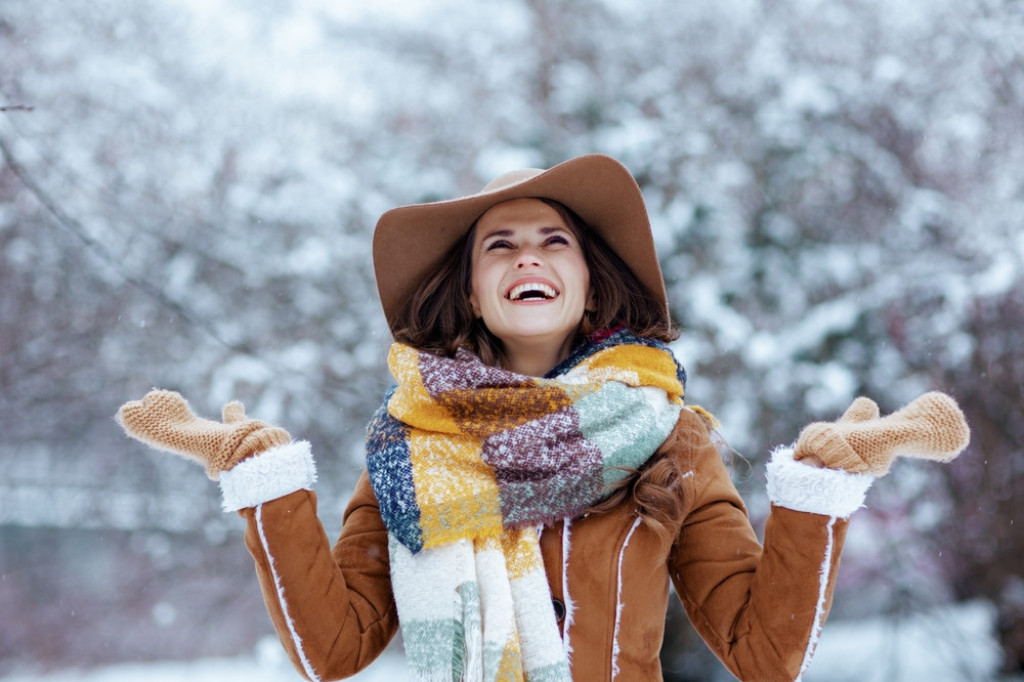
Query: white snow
x=267, y=664
x=948, y=644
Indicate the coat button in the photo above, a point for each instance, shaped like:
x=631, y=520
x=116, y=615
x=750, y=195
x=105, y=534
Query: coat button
x=559, y=608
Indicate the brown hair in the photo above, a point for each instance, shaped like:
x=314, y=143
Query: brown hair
x=438, y=317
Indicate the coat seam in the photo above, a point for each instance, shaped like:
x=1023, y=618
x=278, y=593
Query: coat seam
x=307, y=666
x=819, y=608
x=618, y=599
x=566, y=595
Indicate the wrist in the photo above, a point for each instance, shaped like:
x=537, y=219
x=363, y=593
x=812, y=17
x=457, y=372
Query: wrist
x=268, y=475
x=248, y=440
x=797, y=486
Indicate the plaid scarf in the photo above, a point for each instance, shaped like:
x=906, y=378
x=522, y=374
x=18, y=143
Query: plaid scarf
x=468, y=461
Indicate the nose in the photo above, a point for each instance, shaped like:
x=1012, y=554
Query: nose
x=528, y=257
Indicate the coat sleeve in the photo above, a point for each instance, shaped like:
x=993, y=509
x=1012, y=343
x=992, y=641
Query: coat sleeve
x=759, y=608
x=332, y=607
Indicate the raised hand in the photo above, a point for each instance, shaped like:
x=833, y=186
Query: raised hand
x=163, y=420
x=930, y=427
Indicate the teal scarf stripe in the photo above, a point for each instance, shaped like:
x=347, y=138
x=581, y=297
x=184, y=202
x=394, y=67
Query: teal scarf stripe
x=430, y=646
x=625, y=428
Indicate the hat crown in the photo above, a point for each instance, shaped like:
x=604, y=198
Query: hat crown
x=511, y=178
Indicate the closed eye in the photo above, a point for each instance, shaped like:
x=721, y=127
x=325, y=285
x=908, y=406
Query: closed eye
x=556, y=239
x=498, y=244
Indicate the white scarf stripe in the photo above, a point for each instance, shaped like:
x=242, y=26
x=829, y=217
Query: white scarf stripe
x=538, y=629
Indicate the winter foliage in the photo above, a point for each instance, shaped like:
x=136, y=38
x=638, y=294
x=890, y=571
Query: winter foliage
x=187, y=194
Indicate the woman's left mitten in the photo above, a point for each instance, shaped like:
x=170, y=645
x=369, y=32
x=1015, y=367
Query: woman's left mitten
x=931, y=427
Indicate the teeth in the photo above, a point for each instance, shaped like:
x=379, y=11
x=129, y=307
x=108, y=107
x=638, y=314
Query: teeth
x=518, y=291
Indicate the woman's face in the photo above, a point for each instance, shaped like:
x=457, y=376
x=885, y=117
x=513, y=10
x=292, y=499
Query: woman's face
x=529, y=283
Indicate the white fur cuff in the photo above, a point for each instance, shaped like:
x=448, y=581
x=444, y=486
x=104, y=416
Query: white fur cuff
x=268, y=476
x=805, y=488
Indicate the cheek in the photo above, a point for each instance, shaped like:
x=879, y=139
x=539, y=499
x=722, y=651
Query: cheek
x=477, y=285
x=583, y=276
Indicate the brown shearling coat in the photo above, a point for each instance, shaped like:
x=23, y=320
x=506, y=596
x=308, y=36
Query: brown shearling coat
x=759, y=609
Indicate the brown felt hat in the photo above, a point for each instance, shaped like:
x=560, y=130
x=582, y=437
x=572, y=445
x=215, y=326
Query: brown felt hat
x=410, y=242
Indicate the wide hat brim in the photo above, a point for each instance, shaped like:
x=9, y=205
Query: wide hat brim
x=410, y=242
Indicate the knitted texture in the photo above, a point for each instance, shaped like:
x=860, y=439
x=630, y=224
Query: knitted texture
x=467, y=460
x=931, y=427
x=163, y=420
x=461, y=449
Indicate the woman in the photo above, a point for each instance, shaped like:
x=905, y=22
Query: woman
x=534, y=480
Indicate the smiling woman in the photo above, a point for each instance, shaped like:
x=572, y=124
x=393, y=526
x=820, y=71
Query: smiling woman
x=535, y=480
x=530, y=284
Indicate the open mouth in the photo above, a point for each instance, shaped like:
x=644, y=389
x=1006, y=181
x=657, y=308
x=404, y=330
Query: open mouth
x=531, y=291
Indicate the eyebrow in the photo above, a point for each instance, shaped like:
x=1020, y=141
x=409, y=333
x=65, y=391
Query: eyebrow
x=543, y=230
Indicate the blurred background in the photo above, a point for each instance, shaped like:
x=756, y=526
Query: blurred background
x=187, y=194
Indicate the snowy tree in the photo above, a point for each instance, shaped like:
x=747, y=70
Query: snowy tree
x=188, y=189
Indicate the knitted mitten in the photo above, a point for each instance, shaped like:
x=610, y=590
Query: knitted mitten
x=930, y=427
x=163, y=420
